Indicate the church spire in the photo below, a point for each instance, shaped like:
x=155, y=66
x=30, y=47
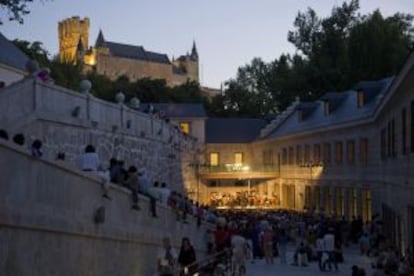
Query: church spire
x=194, y=54
x=100, y=41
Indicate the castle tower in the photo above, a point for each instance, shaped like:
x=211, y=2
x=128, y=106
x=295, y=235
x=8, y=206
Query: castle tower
x=194, y=53
x=189, y=64
x=192, y=64
x=72, y=31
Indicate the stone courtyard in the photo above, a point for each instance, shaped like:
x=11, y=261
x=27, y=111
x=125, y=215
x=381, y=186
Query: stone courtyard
x=351, y=256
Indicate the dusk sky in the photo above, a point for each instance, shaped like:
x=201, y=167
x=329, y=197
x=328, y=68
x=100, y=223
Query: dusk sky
x=228, y=33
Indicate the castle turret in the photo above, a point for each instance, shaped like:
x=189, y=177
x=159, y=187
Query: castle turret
x=194, y=54
x=100, y=40
x=192, y=64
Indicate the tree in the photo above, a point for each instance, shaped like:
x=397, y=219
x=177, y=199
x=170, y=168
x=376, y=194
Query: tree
x=378, y=45
x=333, y=53
x=34, y=50
x=66, y=75
x=15, y=9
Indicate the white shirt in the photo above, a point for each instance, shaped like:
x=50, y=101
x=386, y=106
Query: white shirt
x=144, y=184
x=165, y=194
x=88, y=161
x=154, y=192
x=329, y=242
x=239, y=244
x=162, y=253
x=105, y=175
x=320, y=246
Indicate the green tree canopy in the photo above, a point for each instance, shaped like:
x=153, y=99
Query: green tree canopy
x=15, y=9
x=333, y=53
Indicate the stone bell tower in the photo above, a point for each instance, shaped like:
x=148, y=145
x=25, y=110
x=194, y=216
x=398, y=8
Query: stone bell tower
x=72, y=31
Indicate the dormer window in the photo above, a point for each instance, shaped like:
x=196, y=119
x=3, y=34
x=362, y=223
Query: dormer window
x=300, y=115
x=361, y=98
x=326, y=108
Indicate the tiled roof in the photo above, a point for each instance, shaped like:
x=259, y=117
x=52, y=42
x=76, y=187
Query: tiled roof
x=178, y=110
x=370, y=88
x=345, y=109
x=307, y=108
x=335, y=99
x=130, y=51
x=135, y=52
x=233, y=130
x=11, y=55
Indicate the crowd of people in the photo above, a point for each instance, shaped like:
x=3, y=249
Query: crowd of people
x=243, y=199
x=134, y=179
x=249, y=234
x=253, y=235
x=169, y=263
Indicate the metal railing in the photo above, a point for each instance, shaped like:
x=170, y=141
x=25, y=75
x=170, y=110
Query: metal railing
x=217, y=264
x=238, y=168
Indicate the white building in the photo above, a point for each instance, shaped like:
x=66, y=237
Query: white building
x=12, y=62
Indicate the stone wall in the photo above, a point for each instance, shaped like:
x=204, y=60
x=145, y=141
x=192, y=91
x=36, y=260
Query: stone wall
x=9, y=75
x=67, y=121
x=47, y=223
x=114, y=67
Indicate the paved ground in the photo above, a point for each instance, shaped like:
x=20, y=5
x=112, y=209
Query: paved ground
x=351, y=256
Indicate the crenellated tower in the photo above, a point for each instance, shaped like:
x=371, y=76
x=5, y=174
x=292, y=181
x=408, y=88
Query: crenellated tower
x=73, y=32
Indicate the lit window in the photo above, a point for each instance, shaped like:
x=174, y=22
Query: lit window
x=238, y=158
x=361, y=98
x=214, y=159
x=185, y=127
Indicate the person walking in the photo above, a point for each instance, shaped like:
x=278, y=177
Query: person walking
x=187, y=258
x=166, y=258
x=282, y=245
x=267, y=243
x=320, y=248
x=329, y=245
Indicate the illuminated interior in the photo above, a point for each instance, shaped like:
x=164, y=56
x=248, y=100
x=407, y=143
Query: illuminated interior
x=185, y=127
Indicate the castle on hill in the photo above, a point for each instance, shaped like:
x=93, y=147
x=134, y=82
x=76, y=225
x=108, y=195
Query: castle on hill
x=114, y=59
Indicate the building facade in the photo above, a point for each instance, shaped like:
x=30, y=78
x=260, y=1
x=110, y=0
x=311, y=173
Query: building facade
x=347, y=154
x=114, y=59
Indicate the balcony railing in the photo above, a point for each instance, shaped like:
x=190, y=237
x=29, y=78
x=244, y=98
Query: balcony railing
x=239, y=168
